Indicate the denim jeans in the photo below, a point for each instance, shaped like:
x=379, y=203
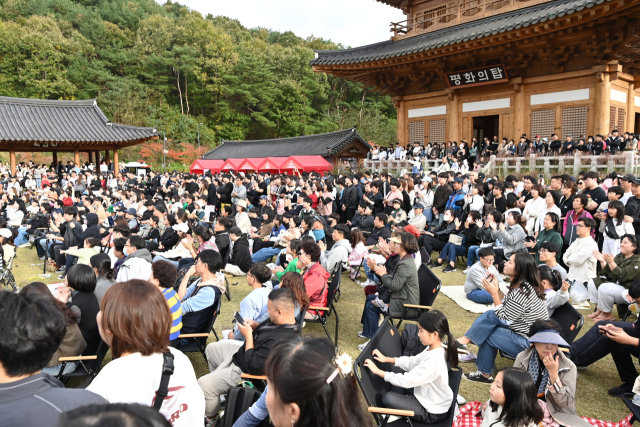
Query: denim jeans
x=265, y=253
x=490, y=333
x=472, y=255
x=22, y=237
x=43, y=248
x=55, y=370
x=480, y=296
x=161, y=258
x=450, y=252
x=370, y=317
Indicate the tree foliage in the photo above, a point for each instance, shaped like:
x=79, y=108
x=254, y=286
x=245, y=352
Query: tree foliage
x=169, y=67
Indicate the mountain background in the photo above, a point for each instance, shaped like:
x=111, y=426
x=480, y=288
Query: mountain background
x=169, y=67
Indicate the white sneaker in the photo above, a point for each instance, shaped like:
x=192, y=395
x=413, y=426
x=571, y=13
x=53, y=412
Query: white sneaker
x=461, y=400
x=466, y=270
x=367, y=283
x=361, y=347
x=25, y=245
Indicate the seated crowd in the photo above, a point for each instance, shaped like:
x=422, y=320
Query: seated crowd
x=145, y=261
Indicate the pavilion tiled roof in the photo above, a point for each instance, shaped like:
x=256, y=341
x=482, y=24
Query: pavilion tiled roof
x=37, y=120
x=473, y=30
x=326, y=145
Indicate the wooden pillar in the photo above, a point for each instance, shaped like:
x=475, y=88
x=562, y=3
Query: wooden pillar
x=518, y=108
x=76, y=157
x=97, y=157
x=631, y=109
x=116, y=168
x=12, y=161
x=55, y=157
x=90, y=156
x=402, y=136
x=453, y=122
x=602, y=104
x=106, y=156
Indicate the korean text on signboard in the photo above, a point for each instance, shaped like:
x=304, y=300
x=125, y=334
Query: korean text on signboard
x=478, y=76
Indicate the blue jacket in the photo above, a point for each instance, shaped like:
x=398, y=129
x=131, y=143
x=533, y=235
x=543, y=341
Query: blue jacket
x=456, y=196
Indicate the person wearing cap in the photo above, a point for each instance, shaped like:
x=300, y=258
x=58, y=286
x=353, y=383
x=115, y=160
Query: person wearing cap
x=419, y=221
x=626, y=182
x=130, y=215
x=181, y=248
x=397, y=214
x=456, y=199
x=240, y=257
x=242, y=217
x=554, y=374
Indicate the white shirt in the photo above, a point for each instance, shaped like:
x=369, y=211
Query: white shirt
x=428, y=375
x=136, y=378
x=625, y=197
x=579, y=257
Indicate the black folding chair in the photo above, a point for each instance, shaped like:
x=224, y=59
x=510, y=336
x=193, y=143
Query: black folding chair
x=191, y=343
x=429, y=285
x=627, y=398
x=388, y=340
x=325, y=312
x=88, y=366
x=570, y=320
x=426, y=258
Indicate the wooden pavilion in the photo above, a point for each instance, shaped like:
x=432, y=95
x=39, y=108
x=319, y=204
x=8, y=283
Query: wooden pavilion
x=458, y=69
x=29, y=125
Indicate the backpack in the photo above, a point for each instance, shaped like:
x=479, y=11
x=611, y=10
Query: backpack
x=411, y=344
x=239, y=400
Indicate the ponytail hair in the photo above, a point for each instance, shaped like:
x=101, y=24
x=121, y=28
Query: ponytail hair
x=519, y=219
x=552, y=276
x=298, y=370
x=436, y=321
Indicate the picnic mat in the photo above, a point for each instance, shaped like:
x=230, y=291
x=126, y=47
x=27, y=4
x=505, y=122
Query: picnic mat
x=456, y=293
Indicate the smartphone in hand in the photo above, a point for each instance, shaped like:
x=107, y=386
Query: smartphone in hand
x=238, y=318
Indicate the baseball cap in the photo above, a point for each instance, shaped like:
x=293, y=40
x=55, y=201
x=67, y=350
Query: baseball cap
x=459, y=180
x=426, y=179
x=398, y=201
x=418, y=206
x=264, y=197
x=131, y=211
x=627, y=177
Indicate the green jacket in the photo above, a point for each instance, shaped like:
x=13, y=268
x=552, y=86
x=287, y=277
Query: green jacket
x=403, y=285
x=290, y=267
x=548, y=236
x=626, y=271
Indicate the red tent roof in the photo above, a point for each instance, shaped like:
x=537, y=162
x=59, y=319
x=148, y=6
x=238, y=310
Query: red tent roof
x=199, y=166
x=307, y=164
x=232, y=164
x=271, y=164
x=250, y=164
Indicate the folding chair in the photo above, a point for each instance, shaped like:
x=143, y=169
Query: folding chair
x=6, y=279
x=426, y=258
x=388, y=340
x=325, y=312
x=429, y=285
x=191, y=343
x=88, y=366
x=632, y=310
x=570, y=320
x=355, y=275
x=627, y=398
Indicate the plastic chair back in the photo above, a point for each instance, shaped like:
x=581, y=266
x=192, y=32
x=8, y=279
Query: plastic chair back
x=429, y=285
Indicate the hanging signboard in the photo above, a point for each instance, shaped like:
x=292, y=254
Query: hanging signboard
x=477, y=77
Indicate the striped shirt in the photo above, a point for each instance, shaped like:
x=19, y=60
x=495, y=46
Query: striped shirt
x=176, y=312
x=522, y=310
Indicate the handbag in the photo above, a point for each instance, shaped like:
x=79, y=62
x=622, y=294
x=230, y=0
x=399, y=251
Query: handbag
x=455, y=239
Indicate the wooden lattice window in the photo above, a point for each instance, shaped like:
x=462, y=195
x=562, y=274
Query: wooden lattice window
x=612, y=118
x=437, y=131
x=429, y=15
x=574, y=122
x=542, y=123
x=416, y=132
x=621, y=116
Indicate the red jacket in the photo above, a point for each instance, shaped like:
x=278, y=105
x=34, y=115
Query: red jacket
x=315, y=280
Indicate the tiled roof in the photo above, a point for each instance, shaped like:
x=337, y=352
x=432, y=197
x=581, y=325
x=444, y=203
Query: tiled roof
x=37, y=120
x=457, y=34
x=325, y=144
x=393, y=3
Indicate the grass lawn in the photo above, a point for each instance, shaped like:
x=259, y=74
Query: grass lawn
x=592, y=397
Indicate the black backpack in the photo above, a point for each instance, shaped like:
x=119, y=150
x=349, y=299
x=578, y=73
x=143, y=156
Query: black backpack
x=411, y=344
x=239, y=400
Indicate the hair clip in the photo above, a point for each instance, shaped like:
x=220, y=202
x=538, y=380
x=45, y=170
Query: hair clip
x=344, y=364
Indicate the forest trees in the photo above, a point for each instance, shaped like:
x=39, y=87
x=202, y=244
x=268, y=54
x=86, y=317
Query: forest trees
x=169, y=67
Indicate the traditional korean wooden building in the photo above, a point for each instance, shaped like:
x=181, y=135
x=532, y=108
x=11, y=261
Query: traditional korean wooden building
x=463, y=68
x=333, y=146
x=29, y=125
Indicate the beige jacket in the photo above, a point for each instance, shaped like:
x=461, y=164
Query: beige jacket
x=72, y=345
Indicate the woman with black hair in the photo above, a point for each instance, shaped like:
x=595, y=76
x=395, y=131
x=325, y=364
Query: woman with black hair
x=513, y=401
x=105, y=275
x=81, y=283
x=614, y=227
x=555, y=289
x=551, y=232
x=468, y=238
x=551, y=205
x=507, y=327
x=425, y=376
x=617, y=275
x=510, y=234
x=310, y=387
x=554, y=374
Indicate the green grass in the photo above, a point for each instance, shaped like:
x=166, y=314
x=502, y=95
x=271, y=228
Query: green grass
x=592, y=398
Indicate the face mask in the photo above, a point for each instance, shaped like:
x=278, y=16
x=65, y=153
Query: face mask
x=319, y=234
x=447, y=217
x=124, y=251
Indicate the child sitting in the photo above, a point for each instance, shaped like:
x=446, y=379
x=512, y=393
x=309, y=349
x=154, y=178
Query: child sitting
x=556, y=291
x=83, y=254
x=358, y=253
x=426, y=373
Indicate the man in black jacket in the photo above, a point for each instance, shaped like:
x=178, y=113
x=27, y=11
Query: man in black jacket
x=66, y=238
x=225, y=190
x=632, y=209
x=228, y=361
x=364, y=218
x=379, y=230
x=613, y=142
x=240, y=259
x=223, y=242
x=440, y=198
x=349, y=200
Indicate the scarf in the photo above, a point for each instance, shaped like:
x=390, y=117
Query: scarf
x=534, y=370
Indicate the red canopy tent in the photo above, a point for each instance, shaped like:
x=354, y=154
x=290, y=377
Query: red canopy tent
x=311, y=163
x=199, y=166
x=250, y=164
x=232, y=164
x=271, y=164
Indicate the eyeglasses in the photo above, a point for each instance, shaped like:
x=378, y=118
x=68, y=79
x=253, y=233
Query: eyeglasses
x=580, y=225
x=491, y=260
x=542, y=250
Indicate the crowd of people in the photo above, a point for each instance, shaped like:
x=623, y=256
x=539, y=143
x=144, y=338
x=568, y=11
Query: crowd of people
x=464, y=157
x=146, y=258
